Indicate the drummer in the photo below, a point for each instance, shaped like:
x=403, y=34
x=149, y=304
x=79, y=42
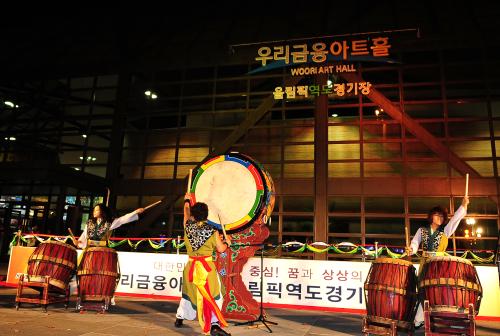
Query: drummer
x=201, y=289
x=99, y=226
x=434, y=237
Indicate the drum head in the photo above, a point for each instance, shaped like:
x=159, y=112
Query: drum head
x=385, y=260
x=234, y=188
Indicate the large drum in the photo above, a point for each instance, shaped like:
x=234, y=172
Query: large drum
x=391, y=293
x=450, y=284
x=97, y=274
x=237, y=190
x=54, y=259
x=240, y=194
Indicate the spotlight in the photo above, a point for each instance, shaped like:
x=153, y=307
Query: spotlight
x=9, y=103
x=154, y=96
x=377, y=112
x=335, y=115
x=147, y=93
x=12, y=138
x=84, y=136
x=470, y=221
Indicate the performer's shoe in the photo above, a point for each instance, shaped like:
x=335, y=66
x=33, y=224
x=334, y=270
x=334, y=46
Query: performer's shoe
x=419, y=325
x=178, y=322
x=218, y=331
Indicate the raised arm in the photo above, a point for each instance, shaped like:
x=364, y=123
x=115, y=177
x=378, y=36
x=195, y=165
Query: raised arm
x=130, y=217
x=452, y=225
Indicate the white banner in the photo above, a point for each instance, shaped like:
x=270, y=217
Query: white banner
x=313, y=283
x=329, y=284
x=151, y=273
x=308, y=283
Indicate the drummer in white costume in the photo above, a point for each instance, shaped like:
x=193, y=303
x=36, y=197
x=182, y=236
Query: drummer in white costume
x=434, y=237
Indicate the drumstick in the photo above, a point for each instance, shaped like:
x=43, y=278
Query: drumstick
x=407, y=238
x=72, y=236
x=189, y=180
x=466, y=185
x=152, y=205
x=223, y=228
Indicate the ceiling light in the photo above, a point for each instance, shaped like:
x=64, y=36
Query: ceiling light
x=147, y=93
x=9, y=103
x=335, y=115
x=12, y=139
x=81, y=157
x=154, y=96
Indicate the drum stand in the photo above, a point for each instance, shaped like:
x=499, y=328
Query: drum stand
x=47, y=293
x=439, y=323
x=262, y=316
x=385, y=327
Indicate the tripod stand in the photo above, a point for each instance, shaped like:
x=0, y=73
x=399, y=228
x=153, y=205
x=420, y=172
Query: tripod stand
x=261, y=317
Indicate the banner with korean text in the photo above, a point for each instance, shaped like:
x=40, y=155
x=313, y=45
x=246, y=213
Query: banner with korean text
x=314, y=284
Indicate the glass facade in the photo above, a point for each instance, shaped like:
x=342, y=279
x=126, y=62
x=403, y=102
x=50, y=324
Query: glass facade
x=382, y=175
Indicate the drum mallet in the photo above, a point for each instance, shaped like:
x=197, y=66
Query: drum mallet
x=223, y=228
x=407, y=238
x=466, y=185
x=189, y=180
x=72, y=237
x=152, y=205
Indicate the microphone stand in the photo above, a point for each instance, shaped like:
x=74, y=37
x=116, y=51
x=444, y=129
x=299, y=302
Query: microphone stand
x=261, y=317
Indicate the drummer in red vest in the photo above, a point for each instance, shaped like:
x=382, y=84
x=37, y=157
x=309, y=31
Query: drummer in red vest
x=100, y=225
x=201, y=288
x=434, y=238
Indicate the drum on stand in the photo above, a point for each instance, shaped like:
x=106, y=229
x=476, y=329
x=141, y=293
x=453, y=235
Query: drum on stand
x=54, y=259
x=390, y=295
x=450, y=284
x=50, y=269
x=97, y=276
x=239, y=193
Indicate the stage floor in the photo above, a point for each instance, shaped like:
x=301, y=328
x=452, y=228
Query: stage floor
x=147, y=317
